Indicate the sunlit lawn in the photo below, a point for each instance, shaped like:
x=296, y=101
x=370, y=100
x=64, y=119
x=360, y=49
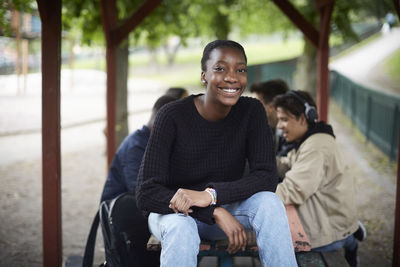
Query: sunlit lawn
x=186, y=68
x=392, y=65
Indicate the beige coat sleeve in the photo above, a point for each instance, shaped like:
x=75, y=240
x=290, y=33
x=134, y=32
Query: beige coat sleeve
x=305, y=175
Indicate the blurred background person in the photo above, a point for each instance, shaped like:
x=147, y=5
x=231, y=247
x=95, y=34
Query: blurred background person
x=177, y=92
x=122, y=178
x=266, y=92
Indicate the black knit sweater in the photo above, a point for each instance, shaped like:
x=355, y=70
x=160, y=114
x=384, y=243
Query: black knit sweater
x=187, y=151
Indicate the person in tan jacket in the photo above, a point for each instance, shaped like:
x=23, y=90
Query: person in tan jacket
x=315, y=177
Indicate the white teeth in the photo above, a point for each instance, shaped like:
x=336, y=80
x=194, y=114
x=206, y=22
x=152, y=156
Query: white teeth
x=229, y=90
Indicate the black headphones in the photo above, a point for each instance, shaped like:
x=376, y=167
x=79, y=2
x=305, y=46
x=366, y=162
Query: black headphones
x=310, y=111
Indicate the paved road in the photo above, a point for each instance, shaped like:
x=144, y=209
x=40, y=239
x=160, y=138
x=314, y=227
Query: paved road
x=361, y=64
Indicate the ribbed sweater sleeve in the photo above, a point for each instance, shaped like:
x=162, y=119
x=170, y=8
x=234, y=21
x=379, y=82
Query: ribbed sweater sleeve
x=152, y=191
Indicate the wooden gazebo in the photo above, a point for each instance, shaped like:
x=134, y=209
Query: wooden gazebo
x=50, y=13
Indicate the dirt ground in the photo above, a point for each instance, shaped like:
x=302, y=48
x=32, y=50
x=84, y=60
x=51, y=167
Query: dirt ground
x=375, y=190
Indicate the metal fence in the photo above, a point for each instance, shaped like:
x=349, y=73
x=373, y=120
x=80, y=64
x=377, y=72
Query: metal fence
x=275, y=70
x=376, y=114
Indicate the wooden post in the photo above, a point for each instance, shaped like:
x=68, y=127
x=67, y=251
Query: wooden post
x=50, y=13
x=319, y=39
x=111, y=60
x=298, y=19
x=114, y=36
x=396, y=4
x=109, y=18
x=325, y=12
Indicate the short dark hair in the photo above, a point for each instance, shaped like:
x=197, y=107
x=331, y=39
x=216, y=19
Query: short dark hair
x=269, y=89
x=219, y=44
x=161, y=101
x=176, y=92
x=291, y=104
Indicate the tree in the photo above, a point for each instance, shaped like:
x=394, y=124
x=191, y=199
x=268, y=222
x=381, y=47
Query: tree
x=5, y=13
x=206, y=18
x=345, y=13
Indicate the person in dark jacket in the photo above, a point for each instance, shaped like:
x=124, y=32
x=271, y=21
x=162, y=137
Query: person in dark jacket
x=124, y=168
x=190, y=181
x=122, y=178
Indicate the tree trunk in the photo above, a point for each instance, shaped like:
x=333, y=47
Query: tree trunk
x=171, y=49
x=222, y=20
x=121, y=127
x=306, y=70
x=153, y=63
x=223, y=29
x=16, y=24
x=71, y=60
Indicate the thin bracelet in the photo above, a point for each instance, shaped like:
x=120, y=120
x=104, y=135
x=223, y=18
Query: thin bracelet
x=213, y=195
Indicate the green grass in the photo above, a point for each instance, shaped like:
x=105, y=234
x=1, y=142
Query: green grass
x=186, y=69
x=182, y=75
x=268, y=52
x=392, y=66
x=91, y=63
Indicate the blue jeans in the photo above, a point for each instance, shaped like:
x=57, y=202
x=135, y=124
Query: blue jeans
x=349, y=243
x=263, y=213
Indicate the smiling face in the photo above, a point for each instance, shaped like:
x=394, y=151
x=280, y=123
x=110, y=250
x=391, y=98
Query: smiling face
x=225, y=76
x=293, y=128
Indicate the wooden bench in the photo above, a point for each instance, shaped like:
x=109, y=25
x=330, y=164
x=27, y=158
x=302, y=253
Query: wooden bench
x=300, y=240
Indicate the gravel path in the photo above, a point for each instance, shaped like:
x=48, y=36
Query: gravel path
x=364, y=65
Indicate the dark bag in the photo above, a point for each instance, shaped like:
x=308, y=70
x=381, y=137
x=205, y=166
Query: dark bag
x=116, y=217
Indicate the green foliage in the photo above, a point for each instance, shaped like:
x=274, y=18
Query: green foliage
x=206, y=18
x=168, y=19
x=5, y=16
x=82, y=18
x=259, y=17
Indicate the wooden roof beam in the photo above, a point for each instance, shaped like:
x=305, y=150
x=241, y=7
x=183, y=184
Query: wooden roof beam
x=325, y=13
x=396, y=4
x=298, y=19
x=114, y=36
x=322, y=3
x=109, y=18
x=133, y=21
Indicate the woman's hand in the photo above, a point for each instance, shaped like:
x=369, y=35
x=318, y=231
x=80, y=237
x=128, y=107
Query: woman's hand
x=232, y=228
x=185, y=198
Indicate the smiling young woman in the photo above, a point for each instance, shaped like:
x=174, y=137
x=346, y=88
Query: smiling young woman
x=191, y=180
